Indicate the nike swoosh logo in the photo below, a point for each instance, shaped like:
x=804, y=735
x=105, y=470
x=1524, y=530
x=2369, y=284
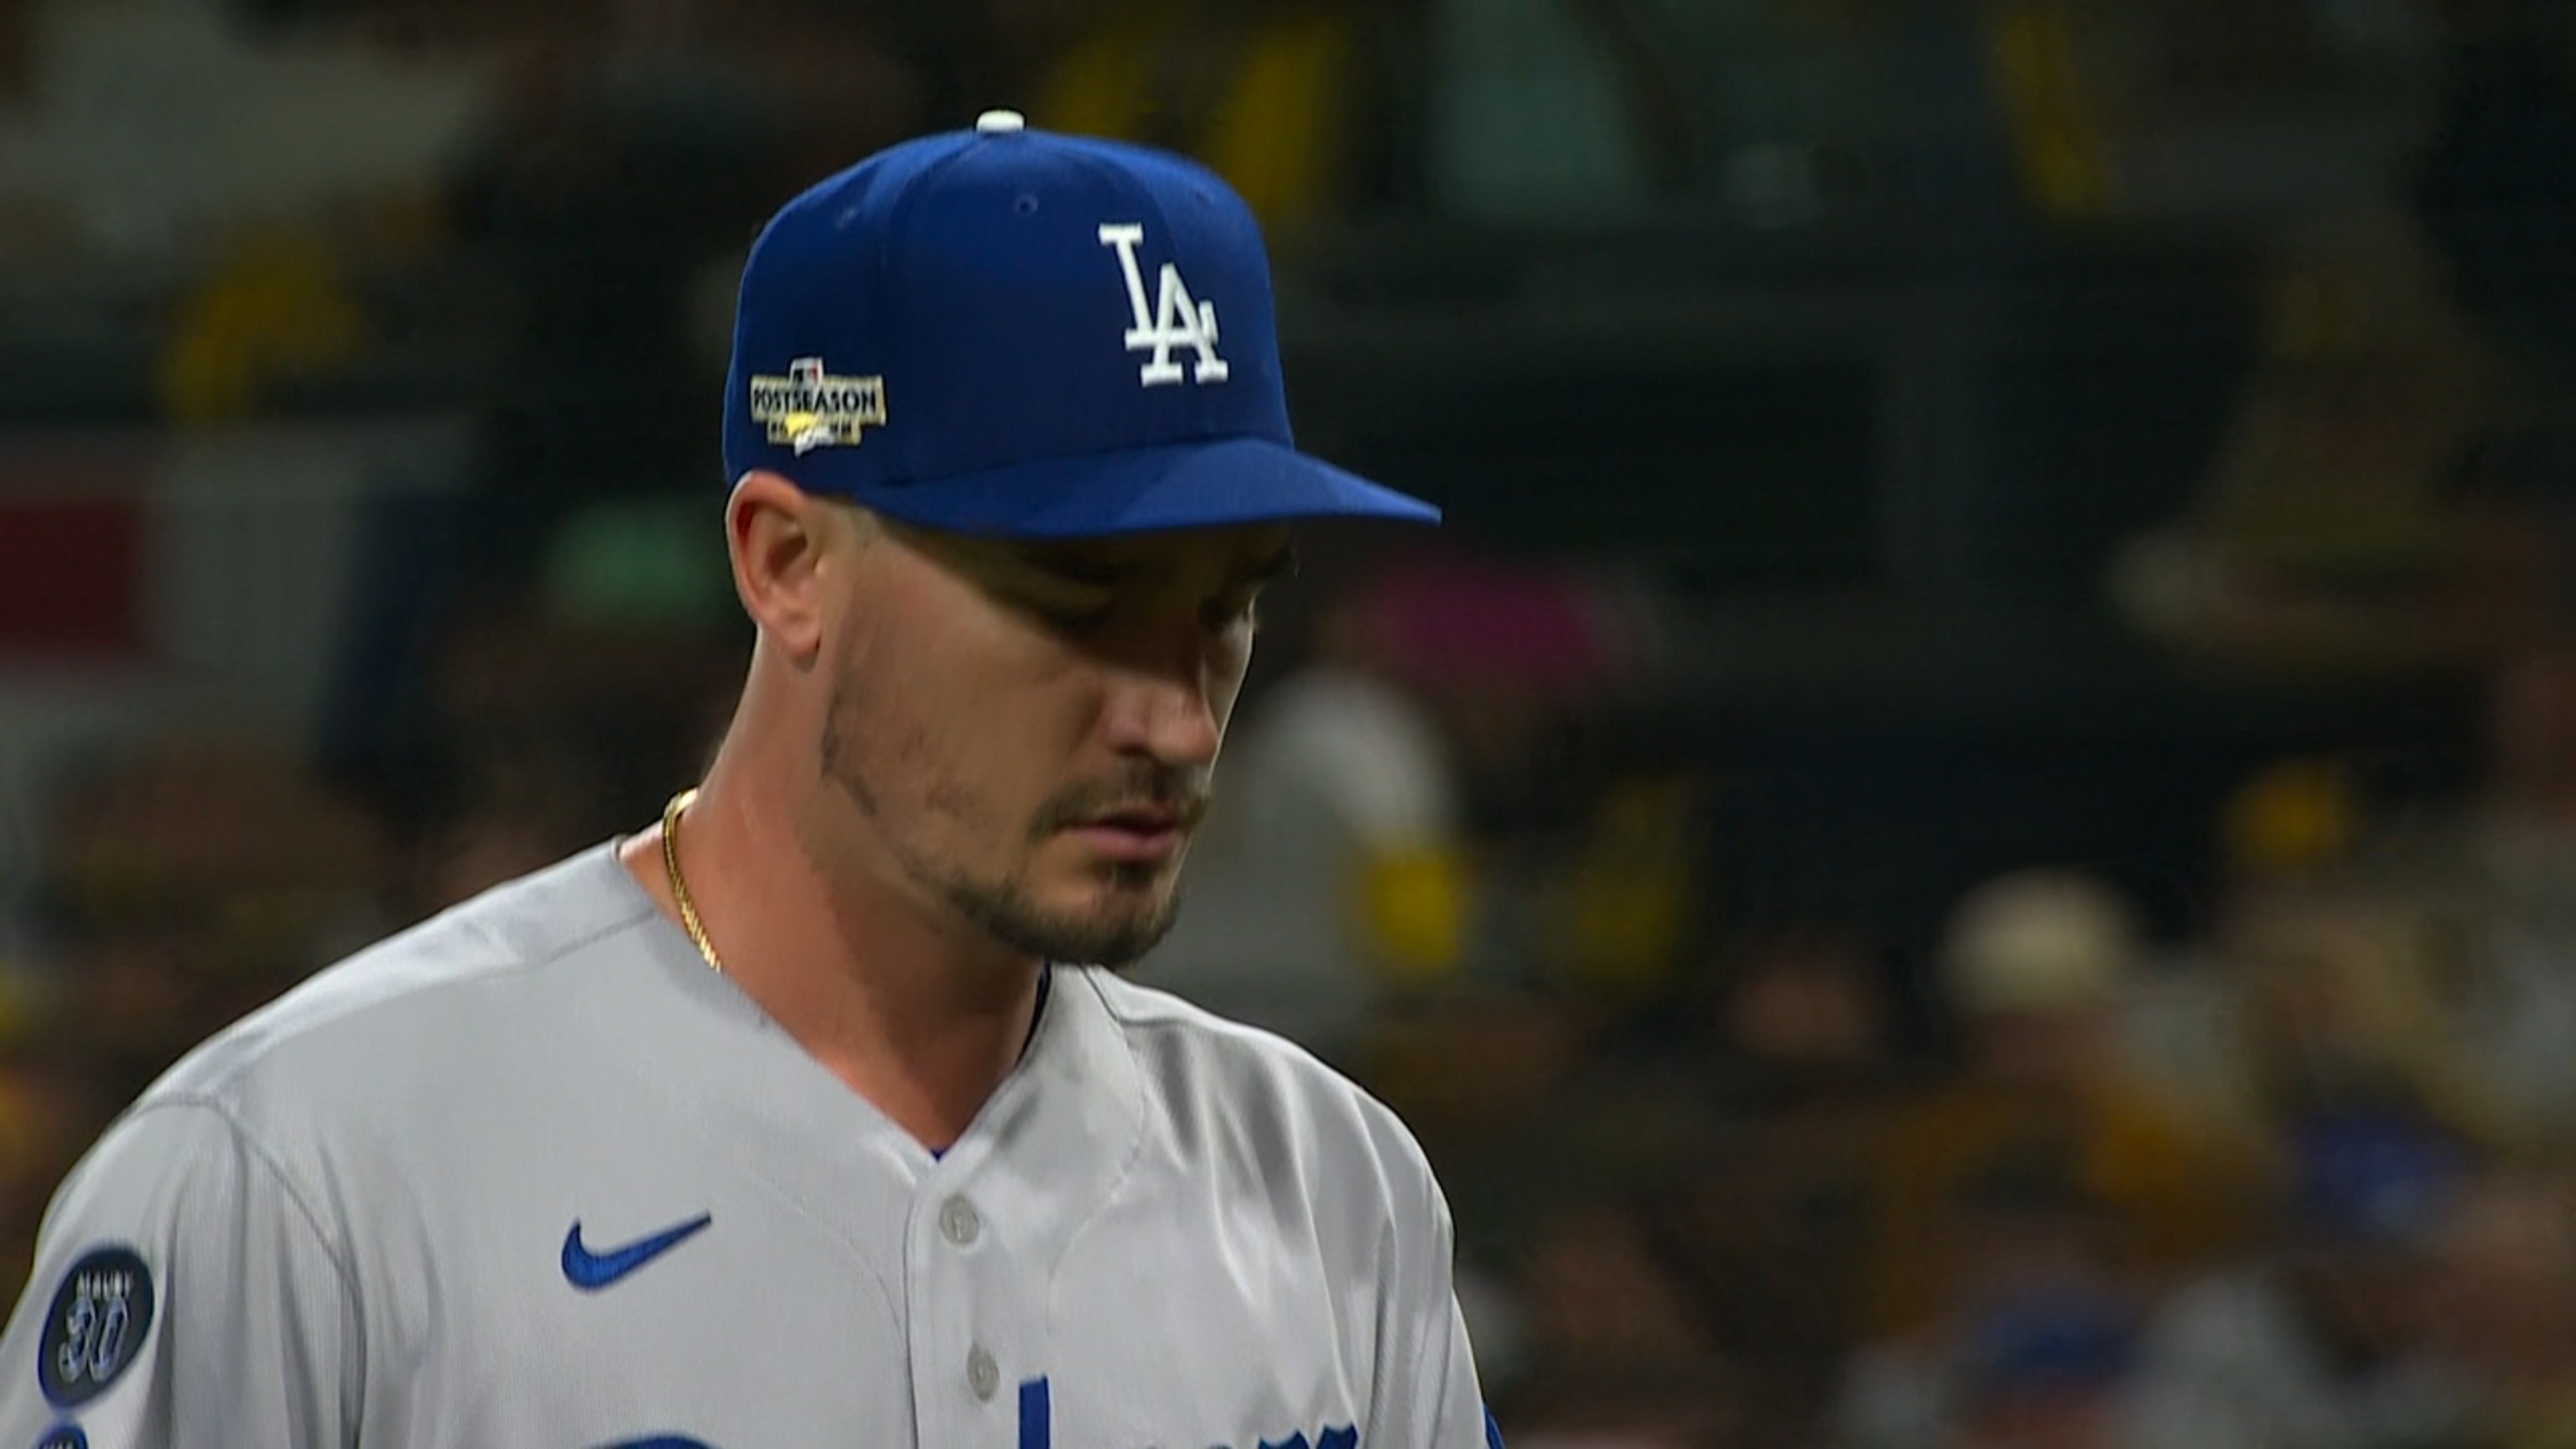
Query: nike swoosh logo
x=591, y=1271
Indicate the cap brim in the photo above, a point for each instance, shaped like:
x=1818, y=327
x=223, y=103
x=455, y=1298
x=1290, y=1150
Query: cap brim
x=1143, y=490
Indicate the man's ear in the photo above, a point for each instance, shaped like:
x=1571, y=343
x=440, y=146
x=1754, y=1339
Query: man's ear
x=779, y=536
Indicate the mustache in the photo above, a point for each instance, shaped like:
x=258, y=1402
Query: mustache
x=1183, y=794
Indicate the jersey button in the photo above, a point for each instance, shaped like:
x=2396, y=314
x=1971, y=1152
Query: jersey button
x=982, y=1374
x=958, y=1222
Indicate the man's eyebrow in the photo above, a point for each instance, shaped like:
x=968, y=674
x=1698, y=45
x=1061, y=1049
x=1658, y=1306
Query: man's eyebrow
x=1279, y=564
x=1111, y=572
x=1079, y=570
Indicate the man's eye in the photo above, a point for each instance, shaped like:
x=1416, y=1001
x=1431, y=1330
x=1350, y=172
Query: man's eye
x=1074, y=617
x=1227, y=610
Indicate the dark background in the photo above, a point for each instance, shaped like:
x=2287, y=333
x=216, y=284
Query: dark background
x=2126, y=438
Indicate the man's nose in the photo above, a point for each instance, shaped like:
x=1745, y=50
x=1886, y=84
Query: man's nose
x=1162, y=704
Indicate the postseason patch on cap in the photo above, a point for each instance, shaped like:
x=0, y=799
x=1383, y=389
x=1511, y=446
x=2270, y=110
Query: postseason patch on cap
x=812, y=408
x=95, y=1327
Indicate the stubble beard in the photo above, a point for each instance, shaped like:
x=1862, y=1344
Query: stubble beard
x=1115, y=937
x=1115, y=934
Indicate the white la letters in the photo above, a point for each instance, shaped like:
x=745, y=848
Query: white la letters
x=1174, y=319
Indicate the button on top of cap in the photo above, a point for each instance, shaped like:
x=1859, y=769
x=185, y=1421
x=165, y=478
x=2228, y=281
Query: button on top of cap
x=1001, y=123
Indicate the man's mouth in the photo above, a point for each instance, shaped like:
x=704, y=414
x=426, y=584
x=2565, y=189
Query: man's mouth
x=1137, y=832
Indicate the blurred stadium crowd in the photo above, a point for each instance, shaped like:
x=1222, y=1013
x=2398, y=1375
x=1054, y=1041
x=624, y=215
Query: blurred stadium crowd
x=1813, y=1060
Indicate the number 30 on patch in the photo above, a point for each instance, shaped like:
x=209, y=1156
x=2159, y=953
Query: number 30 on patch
x=96, y=1326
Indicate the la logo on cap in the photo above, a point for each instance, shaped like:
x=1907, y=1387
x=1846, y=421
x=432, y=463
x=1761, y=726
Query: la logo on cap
x=1175, y=320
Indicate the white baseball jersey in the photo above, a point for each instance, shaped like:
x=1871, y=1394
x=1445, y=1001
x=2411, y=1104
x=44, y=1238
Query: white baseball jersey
x=530, y=1176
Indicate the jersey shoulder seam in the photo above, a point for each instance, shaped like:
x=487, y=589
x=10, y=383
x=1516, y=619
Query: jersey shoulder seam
x=267, y=1157
x=502, y=959
x=639, y=910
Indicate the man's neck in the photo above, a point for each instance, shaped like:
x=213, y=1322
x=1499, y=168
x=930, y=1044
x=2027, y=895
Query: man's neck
x=921, y=1024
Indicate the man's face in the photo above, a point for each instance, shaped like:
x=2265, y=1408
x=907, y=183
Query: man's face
x=1025, y=731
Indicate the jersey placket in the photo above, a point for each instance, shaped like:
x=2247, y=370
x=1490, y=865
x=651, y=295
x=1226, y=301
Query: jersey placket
x=974, y=1317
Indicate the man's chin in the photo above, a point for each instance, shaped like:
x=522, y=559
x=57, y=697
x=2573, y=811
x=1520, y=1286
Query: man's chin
x=1114, y=946
x=1093, y=923
x=1116, y=936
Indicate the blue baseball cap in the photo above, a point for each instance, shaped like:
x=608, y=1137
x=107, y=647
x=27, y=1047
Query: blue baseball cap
x=1009, y=332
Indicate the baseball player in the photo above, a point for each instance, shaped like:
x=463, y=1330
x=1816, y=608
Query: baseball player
x=805, y=1118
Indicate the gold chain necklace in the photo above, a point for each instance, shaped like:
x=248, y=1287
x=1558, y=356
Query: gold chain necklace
x=689, y=921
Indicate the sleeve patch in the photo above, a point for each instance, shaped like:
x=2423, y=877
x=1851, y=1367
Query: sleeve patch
x=94, y=1331
x=64, y=1436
